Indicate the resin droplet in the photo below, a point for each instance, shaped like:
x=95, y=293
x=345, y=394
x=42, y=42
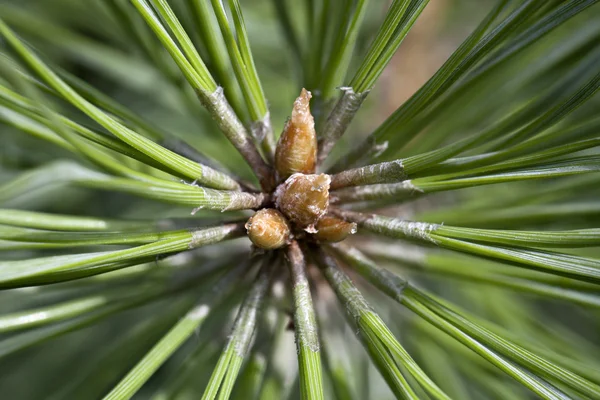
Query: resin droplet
x=304, y=199
x=297, y=148
x=331, y=229
x=268, y=229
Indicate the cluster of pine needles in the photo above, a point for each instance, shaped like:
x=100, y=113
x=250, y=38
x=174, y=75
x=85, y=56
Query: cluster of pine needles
x=137, y=141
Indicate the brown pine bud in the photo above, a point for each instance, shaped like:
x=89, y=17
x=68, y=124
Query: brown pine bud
x=297, y=148
x=304, y=199
x=331, y=229
x=268, y=229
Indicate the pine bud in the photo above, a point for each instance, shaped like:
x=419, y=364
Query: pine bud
x=268, y=229
x=304, y=199
x=297, y=148
x=331, y=229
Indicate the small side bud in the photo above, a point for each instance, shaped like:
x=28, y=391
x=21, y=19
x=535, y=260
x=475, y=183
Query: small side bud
x=268, y=229
x=331, y=229
x=297, y=148
x=304, y=199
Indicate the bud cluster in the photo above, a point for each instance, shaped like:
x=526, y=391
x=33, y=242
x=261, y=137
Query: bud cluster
x=302, y=198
